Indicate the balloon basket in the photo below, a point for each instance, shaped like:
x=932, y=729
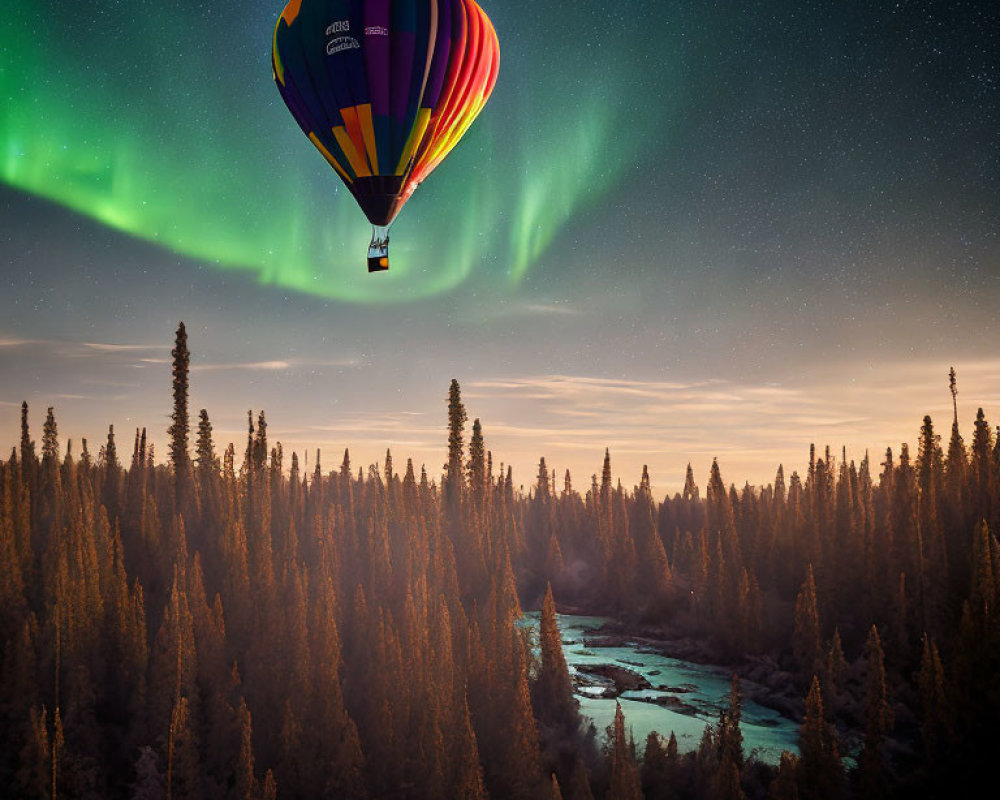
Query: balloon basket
x=378, y=250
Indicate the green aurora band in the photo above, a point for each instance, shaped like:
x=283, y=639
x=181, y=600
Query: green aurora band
x=162, y=121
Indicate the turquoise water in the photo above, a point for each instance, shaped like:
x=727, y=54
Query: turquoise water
x=699, y=692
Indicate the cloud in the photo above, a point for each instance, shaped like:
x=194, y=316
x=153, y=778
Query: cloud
x=537, y=432
x=399, y=423
x=112, y=383
x=266, y=366
x=550, y=308
x=506, y=309
x=68, y=349
x=62, y=347
x=120, y=348
x=251, y=365
x=827, y=422
x=576, y=385
x=340, y=362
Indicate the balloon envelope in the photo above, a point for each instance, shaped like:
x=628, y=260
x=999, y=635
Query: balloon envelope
x=384, y=89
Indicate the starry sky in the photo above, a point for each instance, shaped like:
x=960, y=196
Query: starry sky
x=679, y=230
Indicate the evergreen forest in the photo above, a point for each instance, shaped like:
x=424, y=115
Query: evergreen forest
x=219, y=623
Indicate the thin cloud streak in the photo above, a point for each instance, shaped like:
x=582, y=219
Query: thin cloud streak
x=250, y=365
x=123, y=348
x=276, y=365
x=551, y=308
x=64, y=347
x=539, y=308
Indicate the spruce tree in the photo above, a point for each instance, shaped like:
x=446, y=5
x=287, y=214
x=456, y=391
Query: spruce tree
x=205, y=447
x=269, y=789
x=477, y=465
x=930, y=459
x=456, y=438
x=112, y=474
x=729, y=738
x=50, y=442
x=806, y=641
x=244, y=783
x=553, y=696
x=467, y=781
x=820, y=773
x=180, y=422
x=27, y=446
x=185, y=772
x=878, y=722
x=50, y=483
x=260, y=444
x=982, y=469
x=690, y=487
x=836, y=668
x=934, y=700
x=655, y=771
x=624, y=781
x=779, y=485
x=956, y=465
x=606, y=476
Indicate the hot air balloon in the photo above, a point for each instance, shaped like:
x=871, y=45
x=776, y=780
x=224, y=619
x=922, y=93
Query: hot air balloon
x=384, y=89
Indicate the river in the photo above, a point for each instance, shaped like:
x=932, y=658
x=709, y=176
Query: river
x=697, y=693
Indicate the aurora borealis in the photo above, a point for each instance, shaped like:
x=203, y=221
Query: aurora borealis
x=668, y=211
x=153, y=123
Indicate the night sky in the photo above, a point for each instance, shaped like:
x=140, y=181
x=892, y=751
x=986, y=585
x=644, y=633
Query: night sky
x=679, y=230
